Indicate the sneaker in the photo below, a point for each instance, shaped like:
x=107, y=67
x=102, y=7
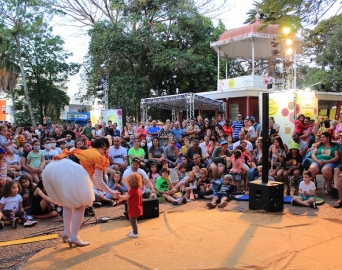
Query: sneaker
x=184, y=201
x=175, y=202
x=30, y=223
x=15, y=223
x=211, y=205
x=293, y=203
x=223, y=204
x=132, y=235
x=196, y=196
x=313, y=205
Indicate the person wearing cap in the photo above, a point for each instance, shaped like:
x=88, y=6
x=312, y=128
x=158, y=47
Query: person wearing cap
x=293, y=166
x=88, y=130
x=147, y=189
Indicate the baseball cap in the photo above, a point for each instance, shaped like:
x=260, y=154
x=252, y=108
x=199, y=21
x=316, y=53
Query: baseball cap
x=136, y=159
x=2, y=151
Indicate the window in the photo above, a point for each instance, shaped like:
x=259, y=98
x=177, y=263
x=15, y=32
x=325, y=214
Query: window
x=233, y=111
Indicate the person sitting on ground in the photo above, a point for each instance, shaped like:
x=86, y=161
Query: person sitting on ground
x=27, y=192
x=222, y=194
x=307, y=192
x=165, y=189
x=203, y=185
x=259, y=168
x=42, y=205
x=293, y=162
x=11, y=205
x=190, y=184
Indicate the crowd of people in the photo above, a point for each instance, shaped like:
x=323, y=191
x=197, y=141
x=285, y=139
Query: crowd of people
x=176, y=162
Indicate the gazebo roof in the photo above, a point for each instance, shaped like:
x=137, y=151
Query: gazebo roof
x=249, y=31
x=238, y=42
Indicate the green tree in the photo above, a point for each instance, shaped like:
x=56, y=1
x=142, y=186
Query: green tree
x=8, y=70
x=17, y=16
x=323, y=46
x=159, y=46
x=47, y=71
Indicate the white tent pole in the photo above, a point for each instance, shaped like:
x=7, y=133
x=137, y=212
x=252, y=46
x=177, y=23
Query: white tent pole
x=226, y=69
x=218, y=66
x=253, y=56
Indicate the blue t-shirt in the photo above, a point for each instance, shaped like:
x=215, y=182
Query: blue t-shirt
x=152, y=129
x=177, y=133
x=237, y=127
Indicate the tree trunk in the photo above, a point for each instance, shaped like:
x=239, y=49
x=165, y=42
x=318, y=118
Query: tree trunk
x=28, y=100
x=13, y=108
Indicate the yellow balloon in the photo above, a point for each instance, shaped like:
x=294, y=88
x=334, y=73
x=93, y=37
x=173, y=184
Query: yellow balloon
x=272, y=107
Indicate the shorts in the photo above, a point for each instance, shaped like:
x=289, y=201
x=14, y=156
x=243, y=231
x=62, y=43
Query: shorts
x=236, y=177
x=331, y=165
x=339, y=166
x=301, y=196
x=220, y=196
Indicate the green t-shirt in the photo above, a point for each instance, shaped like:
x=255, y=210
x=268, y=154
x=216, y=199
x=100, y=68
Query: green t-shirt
x=35, y=159
x=162, y=184
x=87, y=131
x=326, y=153
x=135, y=153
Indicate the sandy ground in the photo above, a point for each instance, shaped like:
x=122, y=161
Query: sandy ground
x=12, y=257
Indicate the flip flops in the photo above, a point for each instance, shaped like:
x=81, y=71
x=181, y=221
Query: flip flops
x=338, y=204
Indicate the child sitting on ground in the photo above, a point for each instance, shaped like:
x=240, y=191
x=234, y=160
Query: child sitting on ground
x=153, y=174
x=164, y=188
x=182, y=173
x=189, y=185
x=11, y=205
x=307, y=192
x=222, y=194
x=196, y=169
x=270, y=178
x=27, y=192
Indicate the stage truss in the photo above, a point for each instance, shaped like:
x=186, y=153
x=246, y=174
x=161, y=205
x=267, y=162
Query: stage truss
x=188, y=102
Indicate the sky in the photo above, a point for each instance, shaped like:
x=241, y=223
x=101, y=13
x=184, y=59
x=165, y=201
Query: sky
x=76, y=40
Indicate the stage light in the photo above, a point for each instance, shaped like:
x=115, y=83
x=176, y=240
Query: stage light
x=286, y=30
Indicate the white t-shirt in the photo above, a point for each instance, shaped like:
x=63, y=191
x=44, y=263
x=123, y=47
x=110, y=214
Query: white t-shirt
x=11, y=202
x=129, y=170
x=13, y=160
x=117, y=155
x=48, y=155
x=249, y=145
x=251, y=132
x=308, y=188
x=204, y=148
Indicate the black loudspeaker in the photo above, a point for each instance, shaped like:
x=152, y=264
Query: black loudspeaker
x=267, y=196
x=150, y=209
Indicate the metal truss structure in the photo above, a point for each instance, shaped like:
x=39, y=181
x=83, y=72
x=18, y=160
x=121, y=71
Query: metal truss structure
x=188, y=102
